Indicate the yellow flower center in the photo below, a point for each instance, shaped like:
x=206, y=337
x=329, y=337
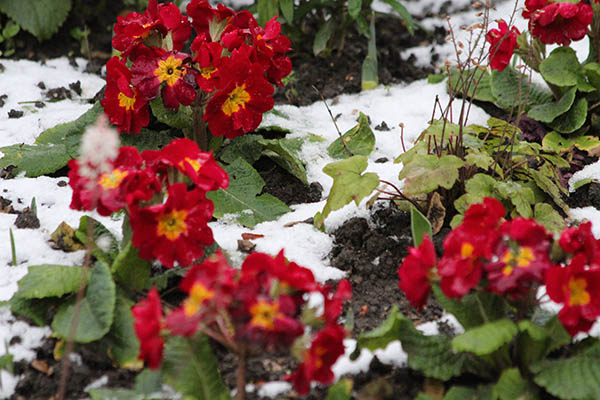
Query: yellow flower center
x=207, y=72
x=112, y=180
x=466, y=250
x=172, y=225
x=578, y=295
x=194, y=163
x=264, y=314
x=125, y=101
x=198, y=295
x=523, y=259
x=237, y=98
x=169, y=70
x=319, y=351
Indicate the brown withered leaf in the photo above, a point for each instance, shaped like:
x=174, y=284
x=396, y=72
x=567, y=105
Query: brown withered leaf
x=63, y=238
x=251, y=236
x=436, y=213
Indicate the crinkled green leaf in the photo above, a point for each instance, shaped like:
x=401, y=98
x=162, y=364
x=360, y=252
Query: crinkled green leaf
x=130, y=270
x=571, y=378
x=199, y=375
x=104, y=393
x=533, y=342
x=557, y=143
x=476, y=83
x=562, y=68
x=520, y=196
x=592, y=71
x=425, y=173
x=247, y=147
x=39, y=311
x=547, y=216
x=511, y=89
x=243, y=197
x=59, y=133
x=181, y=118
x=512, y=386
x=147, y=139
x=486, y=338
x=470, y=393
x=359, y=139
x=480, y=159
x=431, y=355
x=105, y=246
x=285, y=153
x=341, y=390
x=41, y=18
x=96, y=311
x=548, y=185
x=467, y=310
x=349, y=184
x=573, y=119
x=121, y=340
x=550, y=111
x=49, y=281
x=35, y=160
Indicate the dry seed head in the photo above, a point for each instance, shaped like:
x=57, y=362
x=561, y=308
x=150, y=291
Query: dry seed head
x=461, y=45
x=99, y=147
x=477, y=4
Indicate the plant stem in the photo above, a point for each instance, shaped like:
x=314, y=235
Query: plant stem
x=13, y=248
x=240, y=381
x=200, y=134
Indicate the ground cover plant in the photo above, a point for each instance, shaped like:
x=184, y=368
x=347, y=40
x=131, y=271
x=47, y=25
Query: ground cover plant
x=165, y=296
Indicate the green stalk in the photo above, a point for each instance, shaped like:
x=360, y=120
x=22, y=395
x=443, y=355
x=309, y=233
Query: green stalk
x=12, y=247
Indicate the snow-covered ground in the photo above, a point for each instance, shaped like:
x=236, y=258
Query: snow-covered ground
x=410, y=105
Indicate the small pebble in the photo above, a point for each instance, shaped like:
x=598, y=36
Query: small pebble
x=15, y=114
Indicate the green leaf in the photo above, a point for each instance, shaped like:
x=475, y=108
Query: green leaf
x=571, y=378
x=467, y=310
x=369, y=74
x=573, y=119
x=519, y=195
x=354, y=7
x=511, y=88
x=147, y=139
x=592, y=71
x=41, y=18
x=248, y=147
x=557, y=143
x=359, y=139
x=148, y=382
x=105, y=246
x=322, y=37
x=435, y=78
x=550, y=111
x=37, y=310
x=121, y=339
x=199, y=375
x=114, y=394
x=533, y=342
x=431, y=355
x=59, y=133
x=558, y=333
x=287, y=9
x=34, y=160
x=487, y=338
x=425, y=173
x=404, y=15
x=49, y=281
x=419, y=226
x=478, y=158
x=267, y=9
x=130, y=270
x=475, y=83
x=349, y=184
x=341, y=390
x=561, y=67
x=547, y=216
x=96, y=310
x=242, y=197
x=181, y=118
x=548, y=185
x=469, y=393
x=578, y=184
x=512, y=386
x=285, y=153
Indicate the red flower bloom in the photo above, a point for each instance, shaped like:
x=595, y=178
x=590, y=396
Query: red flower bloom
x=333, y=304
x=324, y=351
x=238, y=108
x=148, y=323
x=168, y=67
x=522, y=253
x=122, y=105
x=581, y=240
x=210, y=287
x=203, y=15
x=176, y=230
x=185, y=155
x=134, y=29
x=484, y=215
x=208, y=57
x=109, y=192
x=415, y=272
x=577, y=289
x=502, y=45
x=270, y=48
x=531, y=6
x=559, y=23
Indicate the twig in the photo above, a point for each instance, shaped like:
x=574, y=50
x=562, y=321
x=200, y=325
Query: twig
x=333, y=119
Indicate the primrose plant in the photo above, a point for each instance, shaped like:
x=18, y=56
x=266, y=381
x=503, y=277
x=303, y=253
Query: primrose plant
x=491, y=277
x=226, y=83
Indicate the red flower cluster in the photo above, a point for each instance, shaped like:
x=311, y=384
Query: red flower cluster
x=502, y=45
x=233, y=58
x=173, y=230
x=512, y=259
x=558, y=22
x=259, y=306
x=148, y=323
